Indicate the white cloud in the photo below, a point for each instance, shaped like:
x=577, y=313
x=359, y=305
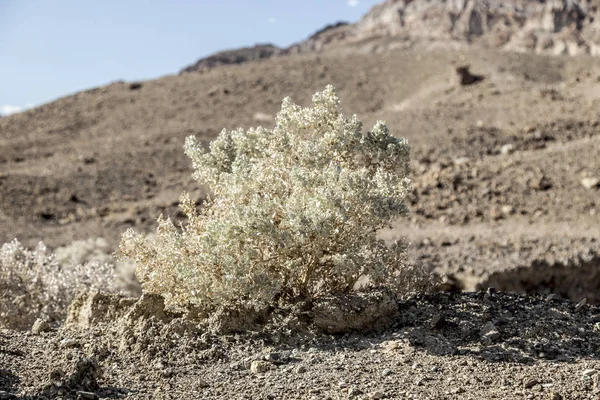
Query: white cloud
x=7, y=109
x=353, y=3
x=272, y=20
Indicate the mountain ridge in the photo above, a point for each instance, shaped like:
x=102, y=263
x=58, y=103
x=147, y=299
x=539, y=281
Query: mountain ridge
x=553, y=27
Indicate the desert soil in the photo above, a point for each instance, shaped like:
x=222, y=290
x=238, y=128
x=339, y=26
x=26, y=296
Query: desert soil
x=504, y=196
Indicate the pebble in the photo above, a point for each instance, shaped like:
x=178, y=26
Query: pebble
x=273, y=357
x=551, y=296
x=582, y=303
x=531, y=382
x=589, y=372
x=68, y=343
x=258, y=367
x=378, y=394
x=354, y=391
x=507, y=149
x=489, y=333
x=300, y=369
x=86, y=395
x=590, y=183
x=40, y=325
x=386, y=372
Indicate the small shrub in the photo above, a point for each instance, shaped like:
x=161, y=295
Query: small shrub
x=294, y=213
x=34, y=284
x=98, y=251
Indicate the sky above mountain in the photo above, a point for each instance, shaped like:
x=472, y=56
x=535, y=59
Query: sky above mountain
x=51, y=48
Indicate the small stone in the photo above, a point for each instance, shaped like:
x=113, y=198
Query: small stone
x=273, y=357
x=68, y=343
x=40, y=325
x=86, y=395
x=507, y=210
x=386, y=372
x=300, y=369
x=551, y=297
x=258, y=367
x=202, y=384
x=590, y=183
x=354, y=391
x=507, y=149
x=554, y=396
x=489, y=333
x=378, y=394
x=531, y=382
x=588, y=372
x=582, y=303
x=457, y=390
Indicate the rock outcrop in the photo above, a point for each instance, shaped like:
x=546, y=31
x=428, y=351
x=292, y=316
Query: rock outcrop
x=554, y=27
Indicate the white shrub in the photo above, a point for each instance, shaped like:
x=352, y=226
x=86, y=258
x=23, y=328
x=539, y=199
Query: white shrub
x=294, y=212
x=34, y=284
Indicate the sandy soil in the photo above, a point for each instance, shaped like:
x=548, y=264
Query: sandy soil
x=500, y=200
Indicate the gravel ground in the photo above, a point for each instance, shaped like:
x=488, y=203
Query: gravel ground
x=476, y=345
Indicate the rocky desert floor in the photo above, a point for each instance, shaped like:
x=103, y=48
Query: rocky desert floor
x=507, y=195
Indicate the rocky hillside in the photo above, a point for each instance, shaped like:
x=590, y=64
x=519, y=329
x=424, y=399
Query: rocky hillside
x=554, y=27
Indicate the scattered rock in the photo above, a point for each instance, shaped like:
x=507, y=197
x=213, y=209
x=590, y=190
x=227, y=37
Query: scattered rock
x=300, y=369
x=582, y=303
x=135, y=86
x=507, y=149
x=68, y=343
x=40, y=325
x=86, y=395
x=489, y=333
x=590, y=183
x=466, y=77
x=531, y=382
x=259, y=367
x=378, y=394
x=589, y=372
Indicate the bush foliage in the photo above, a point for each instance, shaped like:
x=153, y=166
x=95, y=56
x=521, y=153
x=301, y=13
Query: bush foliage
x=35, y=284
x=294, y=213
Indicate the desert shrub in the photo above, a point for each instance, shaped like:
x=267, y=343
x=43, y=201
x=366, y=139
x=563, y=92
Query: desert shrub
x=294, y=213
x=34, y=284
x=98, y=251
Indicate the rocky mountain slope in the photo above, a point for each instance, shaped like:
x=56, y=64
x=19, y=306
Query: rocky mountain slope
x=554, y=27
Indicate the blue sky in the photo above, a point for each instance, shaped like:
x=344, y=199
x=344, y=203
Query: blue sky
x=51, y=48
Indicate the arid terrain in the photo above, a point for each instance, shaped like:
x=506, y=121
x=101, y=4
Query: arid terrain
x=506, y=195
